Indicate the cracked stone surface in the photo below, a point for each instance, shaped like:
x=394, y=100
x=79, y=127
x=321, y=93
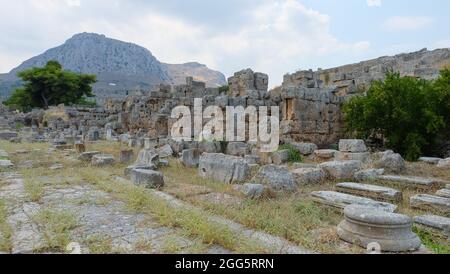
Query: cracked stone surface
x=97, y=214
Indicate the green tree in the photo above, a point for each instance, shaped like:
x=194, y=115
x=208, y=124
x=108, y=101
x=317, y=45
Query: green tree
x=50, y=85
x=409, y=115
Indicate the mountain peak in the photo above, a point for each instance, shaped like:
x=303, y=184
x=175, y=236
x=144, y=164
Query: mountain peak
x=127, y=65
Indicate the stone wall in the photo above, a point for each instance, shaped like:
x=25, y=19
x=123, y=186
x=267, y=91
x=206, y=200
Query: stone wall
x=312, y=100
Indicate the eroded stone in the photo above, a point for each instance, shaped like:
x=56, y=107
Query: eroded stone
x=393, y=232
x=378, y=193
x=341, y=200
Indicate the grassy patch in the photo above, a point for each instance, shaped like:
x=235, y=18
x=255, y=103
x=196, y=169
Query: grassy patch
x=191, y=222
x=99, y=244
x=291, y=216
x=435, y=243
x=55, y=227
x=294, y=154
x=6, y=231
x=34, y=190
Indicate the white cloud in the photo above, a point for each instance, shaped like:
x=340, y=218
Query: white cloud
x=400, y=23
x=374, y=3
x=73, y=3
x=276, y=37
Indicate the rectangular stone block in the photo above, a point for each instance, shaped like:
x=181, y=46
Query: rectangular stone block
x=429, y=202
x=378, y=193
x=416, y=182
x=341, y=200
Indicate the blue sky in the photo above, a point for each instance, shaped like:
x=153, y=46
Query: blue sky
x=271, y=36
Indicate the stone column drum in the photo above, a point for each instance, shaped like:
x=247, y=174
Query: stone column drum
x=393, y=232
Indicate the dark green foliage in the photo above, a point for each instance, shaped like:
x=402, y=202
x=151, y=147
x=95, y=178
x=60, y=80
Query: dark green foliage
x=224, y=89
x=409, y=115
x=49, y=86
x=294, y=154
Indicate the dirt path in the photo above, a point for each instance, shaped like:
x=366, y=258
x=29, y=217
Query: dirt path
x=90, y=217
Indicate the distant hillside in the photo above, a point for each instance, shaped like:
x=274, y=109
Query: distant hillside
x=118, y=65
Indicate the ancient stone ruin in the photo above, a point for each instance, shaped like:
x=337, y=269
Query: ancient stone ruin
x=331, y=175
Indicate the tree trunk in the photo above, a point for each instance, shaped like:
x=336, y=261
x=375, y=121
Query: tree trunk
x=45, y=101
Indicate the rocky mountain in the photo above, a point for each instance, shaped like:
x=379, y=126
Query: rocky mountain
x=119, y=66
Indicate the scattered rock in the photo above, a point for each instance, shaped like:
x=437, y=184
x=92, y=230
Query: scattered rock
x=280, y=157
x=190, y=158
x=252, y=191
x=325, y=154
x=352, y=145
x=87, y=156
x=6, y=164
x=429, y=202
x=148, y=157
x=444, y=163
x=430, y=160
x=56, y=167
x=163, y=163
x=410, y=181
x=237, y=149
x=209, y=147
x=304, y=176
x=126, y=156
x=101, y=160
x=305, y=148
x=368, y=174
x=129, y=169
x=223, y=168
x=443, y=193
x=393, y=232
x=343, y=170
x=341, y=200
x=303, y=165
x=147, y=178
x=437, y=223
x=7, y=135
x=252, y=159
x=391, y=162
x=378, y=193
x=276, y=178
x=165, y=151
x=349, y=156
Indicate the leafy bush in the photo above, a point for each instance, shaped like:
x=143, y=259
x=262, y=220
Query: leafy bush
x=224, y=89
x=409, y=115
x=294, y=154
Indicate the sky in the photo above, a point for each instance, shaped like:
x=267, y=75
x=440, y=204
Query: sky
x=271, y=36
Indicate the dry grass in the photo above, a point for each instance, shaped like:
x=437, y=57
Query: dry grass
x=294, y=217
x=34, y=190
x=6, y=231
x=55, y=227
x=99, y=244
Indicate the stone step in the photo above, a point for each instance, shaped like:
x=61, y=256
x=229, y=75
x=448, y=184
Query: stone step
x=417, y=182
x=437, y=223
x=341, y=200
x=443, y=193
x=378, y=193
x=430, y=202
x=430, y=160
